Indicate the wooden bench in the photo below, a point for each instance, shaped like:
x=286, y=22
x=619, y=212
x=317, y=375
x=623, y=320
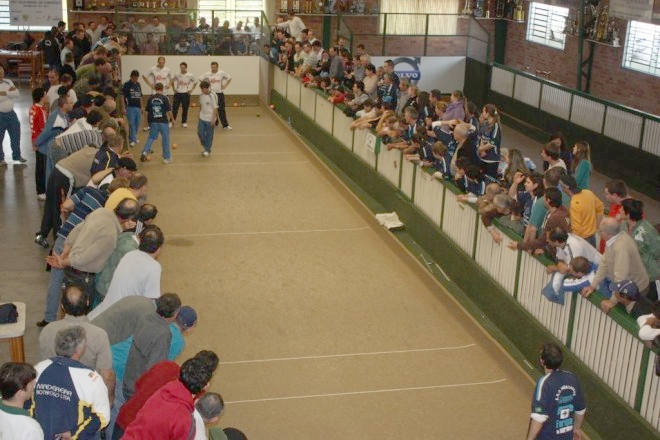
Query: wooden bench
x=13, y=333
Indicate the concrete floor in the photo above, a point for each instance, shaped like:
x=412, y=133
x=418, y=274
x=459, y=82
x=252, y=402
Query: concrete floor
x=325, y=327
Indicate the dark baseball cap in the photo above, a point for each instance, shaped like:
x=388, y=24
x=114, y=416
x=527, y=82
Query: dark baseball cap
x=626, y=288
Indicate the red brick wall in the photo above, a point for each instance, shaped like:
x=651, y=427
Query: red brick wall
x=608, y=79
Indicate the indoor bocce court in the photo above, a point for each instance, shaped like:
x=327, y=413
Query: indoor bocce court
x=326, y=327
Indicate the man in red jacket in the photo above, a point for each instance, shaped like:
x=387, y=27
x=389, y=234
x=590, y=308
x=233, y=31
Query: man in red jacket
x=152, y=381
x=38, y=116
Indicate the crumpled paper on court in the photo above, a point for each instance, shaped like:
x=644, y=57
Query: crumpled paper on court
x=390, y=220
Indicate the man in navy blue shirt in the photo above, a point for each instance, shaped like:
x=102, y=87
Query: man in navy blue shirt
x=132, y=92
x=558, y=407
x=159, y=114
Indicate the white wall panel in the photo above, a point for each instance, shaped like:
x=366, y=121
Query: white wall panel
x=527, y=90
x=429, y=193
x=556, y=101
x=341, y=129
x=623, y=126
x=502, y=81
x=588, y=113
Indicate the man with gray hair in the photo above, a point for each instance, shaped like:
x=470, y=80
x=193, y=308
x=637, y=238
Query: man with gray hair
x=208, y=410
x=621, y=261
x=70, y=399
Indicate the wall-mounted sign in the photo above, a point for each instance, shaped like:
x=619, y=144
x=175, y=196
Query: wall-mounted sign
x=640, y=10
x=35, y=12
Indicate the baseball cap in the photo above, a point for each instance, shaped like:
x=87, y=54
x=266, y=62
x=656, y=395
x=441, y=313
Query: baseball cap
x=187, y=317
x=159, y=86
x=626, y=288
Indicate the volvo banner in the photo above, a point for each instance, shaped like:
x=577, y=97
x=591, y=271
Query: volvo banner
x=428, y=73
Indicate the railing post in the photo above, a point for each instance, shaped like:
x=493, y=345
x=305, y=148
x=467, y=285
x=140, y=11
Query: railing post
x=571, y=320
x=384, y=33
x=426, y=33
x=516, y=285
x=639, y=394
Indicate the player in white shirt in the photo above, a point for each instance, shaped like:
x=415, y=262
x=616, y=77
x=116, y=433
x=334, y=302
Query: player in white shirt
x=219, y=81
x=8, y=119
x=184, y=83
x=208, y=104
x=159, y=74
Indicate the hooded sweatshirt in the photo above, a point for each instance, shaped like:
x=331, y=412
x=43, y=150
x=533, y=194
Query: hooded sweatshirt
x=168, y=414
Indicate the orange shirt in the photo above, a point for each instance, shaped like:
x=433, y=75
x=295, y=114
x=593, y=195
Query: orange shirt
x=585, y=208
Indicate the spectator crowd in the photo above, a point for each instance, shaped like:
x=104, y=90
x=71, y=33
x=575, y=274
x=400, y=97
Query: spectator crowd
x=109, y=335
x=607, y=245
x=107, y=367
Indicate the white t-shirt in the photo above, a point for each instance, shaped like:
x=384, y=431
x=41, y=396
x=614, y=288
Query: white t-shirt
x=560, y=163
x=163, y=76
x=216, y=79
x=7, y=101
x=200, y=428
x=159, y=32
x=208, y=104
x=578, y=247
x=16, y=424
x=646, y=332
x=137, y=274
x=184, y=82
x=53, y=96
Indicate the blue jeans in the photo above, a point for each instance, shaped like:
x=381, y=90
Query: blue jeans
x=164, y=130
x=116, y=406
x=134, y=115
x=54, y=294
x=205, y=133
x=9, y=122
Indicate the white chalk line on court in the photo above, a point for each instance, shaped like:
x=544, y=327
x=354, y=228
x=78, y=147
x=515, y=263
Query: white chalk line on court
x=367, y=353
x=302, y=231
x=253, y=153
x=256, y=135
x=355, y=393
x=212, y=164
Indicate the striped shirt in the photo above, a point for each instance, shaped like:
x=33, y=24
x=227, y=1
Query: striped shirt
x=85, y=200
x=75, y=137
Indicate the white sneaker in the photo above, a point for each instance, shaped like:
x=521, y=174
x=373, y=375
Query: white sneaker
x=205, y=153
x=41, y=197
x=184, y=125
x=132, y=144
x=167, y=160
x=228, y=128
x=147, y=128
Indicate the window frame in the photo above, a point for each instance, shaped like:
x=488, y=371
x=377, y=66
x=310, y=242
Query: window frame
x=550, y=26
x=408, y=17
x=652, y=67
x=232, y=11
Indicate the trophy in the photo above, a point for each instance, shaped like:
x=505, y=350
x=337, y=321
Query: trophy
x=467, y=9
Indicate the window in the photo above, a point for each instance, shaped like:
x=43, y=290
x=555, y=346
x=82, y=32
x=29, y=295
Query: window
x=231, y=10
x=5, y=21
x=412, y=20
x=546, y=25
x=642, y=48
